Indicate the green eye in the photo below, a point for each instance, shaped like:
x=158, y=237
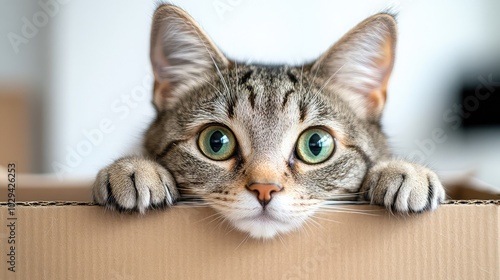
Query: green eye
x=315, y=145
x=217, y=142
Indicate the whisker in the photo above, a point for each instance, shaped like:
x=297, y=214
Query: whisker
x=187, y=205
x=237, y=78
x=331, y=77
x=301, y=74
x=342, y=207
x=315, y=223
x=282, y=240
x=213, y=218
x=218, y=91
x=353, y=195
x=231, y=229
x=221, y=221
x=310, y=223
x=314, y=77
x=208, y=217
x=242, y=241
x=344, y=202
x=305, y=228
x=213, y=60
x=333, y=204
x=325, y=219
x=192, y=202
x=348, y=212
x=218, y=71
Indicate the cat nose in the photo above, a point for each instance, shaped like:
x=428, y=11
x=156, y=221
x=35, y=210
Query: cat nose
x=264, y=191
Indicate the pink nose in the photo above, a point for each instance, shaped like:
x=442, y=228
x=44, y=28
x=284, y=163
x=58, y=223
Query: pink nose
x=264, y=191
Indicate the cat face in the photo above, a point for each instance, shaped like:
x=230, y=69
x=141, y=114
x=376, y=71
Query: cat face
x=267, y=146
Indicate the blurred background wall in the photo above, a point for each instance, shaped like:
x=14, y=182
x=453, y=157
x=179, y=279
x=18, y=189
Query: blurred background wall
x=83, y=70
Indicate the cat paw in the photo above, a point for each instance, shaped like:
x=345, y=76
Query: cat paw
x=134, y=184
x=403, y=187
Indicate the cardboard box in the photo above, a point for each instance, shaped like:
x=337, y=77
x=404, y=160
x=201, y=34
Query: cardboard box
x=16, y=129
x=76, y=240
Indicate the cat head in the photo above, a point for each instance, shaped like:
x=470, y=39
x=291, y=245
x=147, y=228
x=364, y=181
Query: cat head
x=268, y=146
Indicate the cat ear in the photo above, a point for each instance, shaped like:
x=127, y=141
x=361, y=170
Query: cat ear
x=182, y=55
x=359, y=65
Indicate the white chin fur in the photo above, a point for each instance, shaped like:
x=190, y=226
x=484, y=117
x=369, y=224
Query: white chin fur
x=280, y=216
x=265, y=229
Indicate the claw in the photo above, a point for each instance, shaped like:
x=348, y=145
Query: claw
x=134, y=185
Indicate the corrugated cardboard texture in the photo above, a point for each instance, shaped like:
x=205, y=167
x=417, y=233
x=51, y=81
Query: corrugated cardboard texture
x=86, y=242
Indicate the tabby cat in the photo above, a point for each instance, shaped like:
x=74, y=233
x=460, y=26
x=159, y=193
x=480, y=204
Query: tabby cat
x=267, y=146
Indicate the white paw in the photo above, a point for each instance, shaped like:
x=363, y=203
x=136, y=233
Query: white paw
x=134, y=184
x=403, y=187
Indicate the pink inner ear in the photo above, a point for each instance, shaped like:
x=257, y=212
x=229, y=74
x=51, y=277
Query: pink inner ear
x=362, y=62
x=376, y=100
x=385, y=63
x=161, y=94
x=181, y=53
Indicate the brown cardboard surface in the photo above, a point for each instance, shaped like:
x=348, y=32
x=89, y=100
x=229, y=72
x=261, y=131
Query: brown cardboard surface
x=458, y=241
x=15, y=143
x=32, y=187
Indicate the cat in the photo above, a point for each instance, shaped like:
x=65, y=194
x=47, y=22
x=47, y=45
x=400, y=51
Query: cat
x=267, y=145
